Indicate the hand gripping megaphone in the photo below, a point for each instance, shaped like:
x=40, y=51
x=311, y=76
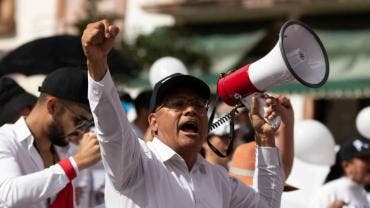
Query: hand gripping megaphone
x=299, y=56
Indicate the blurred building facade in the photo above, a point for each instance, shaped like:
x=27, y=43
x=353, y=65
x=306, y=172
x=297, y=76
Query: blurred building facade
x=250, y=28
x=341, y=25
x=27, y=20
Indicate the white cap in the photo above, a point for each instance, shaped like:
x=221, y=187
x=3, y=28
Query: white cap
x=222, y=129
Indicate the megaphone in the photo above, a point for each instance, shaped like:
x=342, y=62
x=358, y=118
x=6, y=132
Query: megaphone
x=299, y=56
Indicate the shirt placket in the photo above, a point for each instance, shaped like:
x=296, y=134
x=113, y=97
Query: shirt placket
x=193, y=174
x=188, y=183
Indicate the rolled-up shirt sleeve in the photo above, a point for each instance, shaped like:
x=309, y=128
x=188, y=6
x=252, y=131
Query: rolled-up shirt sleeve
x=268, y=179
x=268, y=182
x=18, y=190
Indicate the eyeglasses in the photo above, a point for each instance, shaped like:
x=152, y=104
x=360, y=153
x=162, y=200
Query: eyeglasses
x=82, y=123
x=180, y=103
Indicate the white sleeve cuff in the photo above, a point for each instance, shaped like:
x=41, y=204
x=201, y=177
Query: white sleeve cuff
x=267, y=156
x=74, y=164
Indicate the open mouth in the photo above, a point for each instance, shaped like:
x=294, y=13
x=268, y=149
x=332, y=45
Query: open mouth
x=190, y=127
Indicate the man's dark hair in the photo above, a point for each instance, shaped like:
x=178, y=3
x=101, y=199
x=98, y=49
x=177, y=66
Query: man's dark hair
x=336, y=170
x=143, y=100
x=125, y=97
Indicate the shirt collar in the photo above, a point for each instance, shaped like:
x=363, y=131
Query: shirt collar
x=165, y=153
x=24, y=134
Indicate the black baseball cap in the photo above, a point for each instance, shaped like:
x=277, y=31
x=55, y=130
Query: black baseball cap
x=354, y=148
x=174, y=81
x=68, y=83
x=13, y=99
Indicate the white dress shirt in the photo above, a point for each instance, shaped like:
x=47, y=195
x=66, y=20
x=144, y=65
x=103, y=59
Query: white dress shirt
x=344, y=189
x=83, y=181
x=137, y=130
x=24, y=181
x=152, y=175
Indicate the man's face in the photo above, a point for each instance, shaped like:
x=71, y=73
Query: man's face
x=181, y=120
x=56, y=133
x=69, y=124
x=358, y=169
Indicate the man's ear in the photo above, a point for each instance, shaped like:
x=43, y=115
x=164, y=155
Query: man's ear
x=345, y=164
x=51, y=104
x=153, y=123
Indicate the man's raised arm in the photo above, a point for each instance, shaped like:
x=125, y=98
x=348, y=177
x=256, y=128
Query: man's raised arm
x=120, y=148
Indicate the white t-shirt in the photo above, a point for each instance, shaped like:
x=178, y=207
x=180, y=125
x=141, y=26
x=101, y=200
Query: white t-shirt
x=344, y=189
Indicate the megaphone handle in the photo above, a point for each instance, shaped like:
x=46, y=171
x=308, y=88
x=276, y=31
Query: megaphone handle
x=247, y=102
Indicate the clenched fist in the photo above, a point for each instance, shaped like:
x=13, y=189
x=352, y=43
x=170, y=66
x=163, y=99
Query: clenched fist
x=265, y=133
x=97, y=40
x=89, y=152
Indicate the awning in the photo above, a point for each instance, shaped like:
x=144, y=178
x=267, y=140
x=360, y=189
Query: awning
x=223, y=49
x=348, y=53
x=355, y=88
x=349, y=63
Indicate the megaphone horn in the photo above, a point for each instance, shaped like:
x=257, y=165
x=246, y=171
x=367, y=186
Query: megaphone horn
x=299, y=56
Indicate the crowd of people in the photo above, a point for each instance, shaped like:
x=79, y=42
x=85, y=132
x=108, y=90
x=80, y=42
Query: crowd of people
x=73, y=146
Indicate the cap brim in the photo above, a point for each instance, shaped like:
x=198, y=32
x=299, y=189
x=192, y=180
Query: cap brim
x=186, y=81
x=181, y=81
x=364, y=154
x=348, y=153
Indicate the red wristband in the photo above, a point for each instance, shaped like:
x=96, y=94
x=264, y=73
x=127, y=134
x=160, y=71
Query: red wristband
x=68, y=168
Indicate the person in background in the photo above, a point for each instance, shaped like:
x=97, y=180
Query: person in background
x=142, y=103
x=243, y=160
x=126, y=101
x=349, y=189
x=37, y=171
x=14, y=101
x=219, y=137
x=169, y=171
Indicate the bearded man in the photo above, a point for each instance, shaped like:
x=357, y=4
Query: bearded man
x=36, y=171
